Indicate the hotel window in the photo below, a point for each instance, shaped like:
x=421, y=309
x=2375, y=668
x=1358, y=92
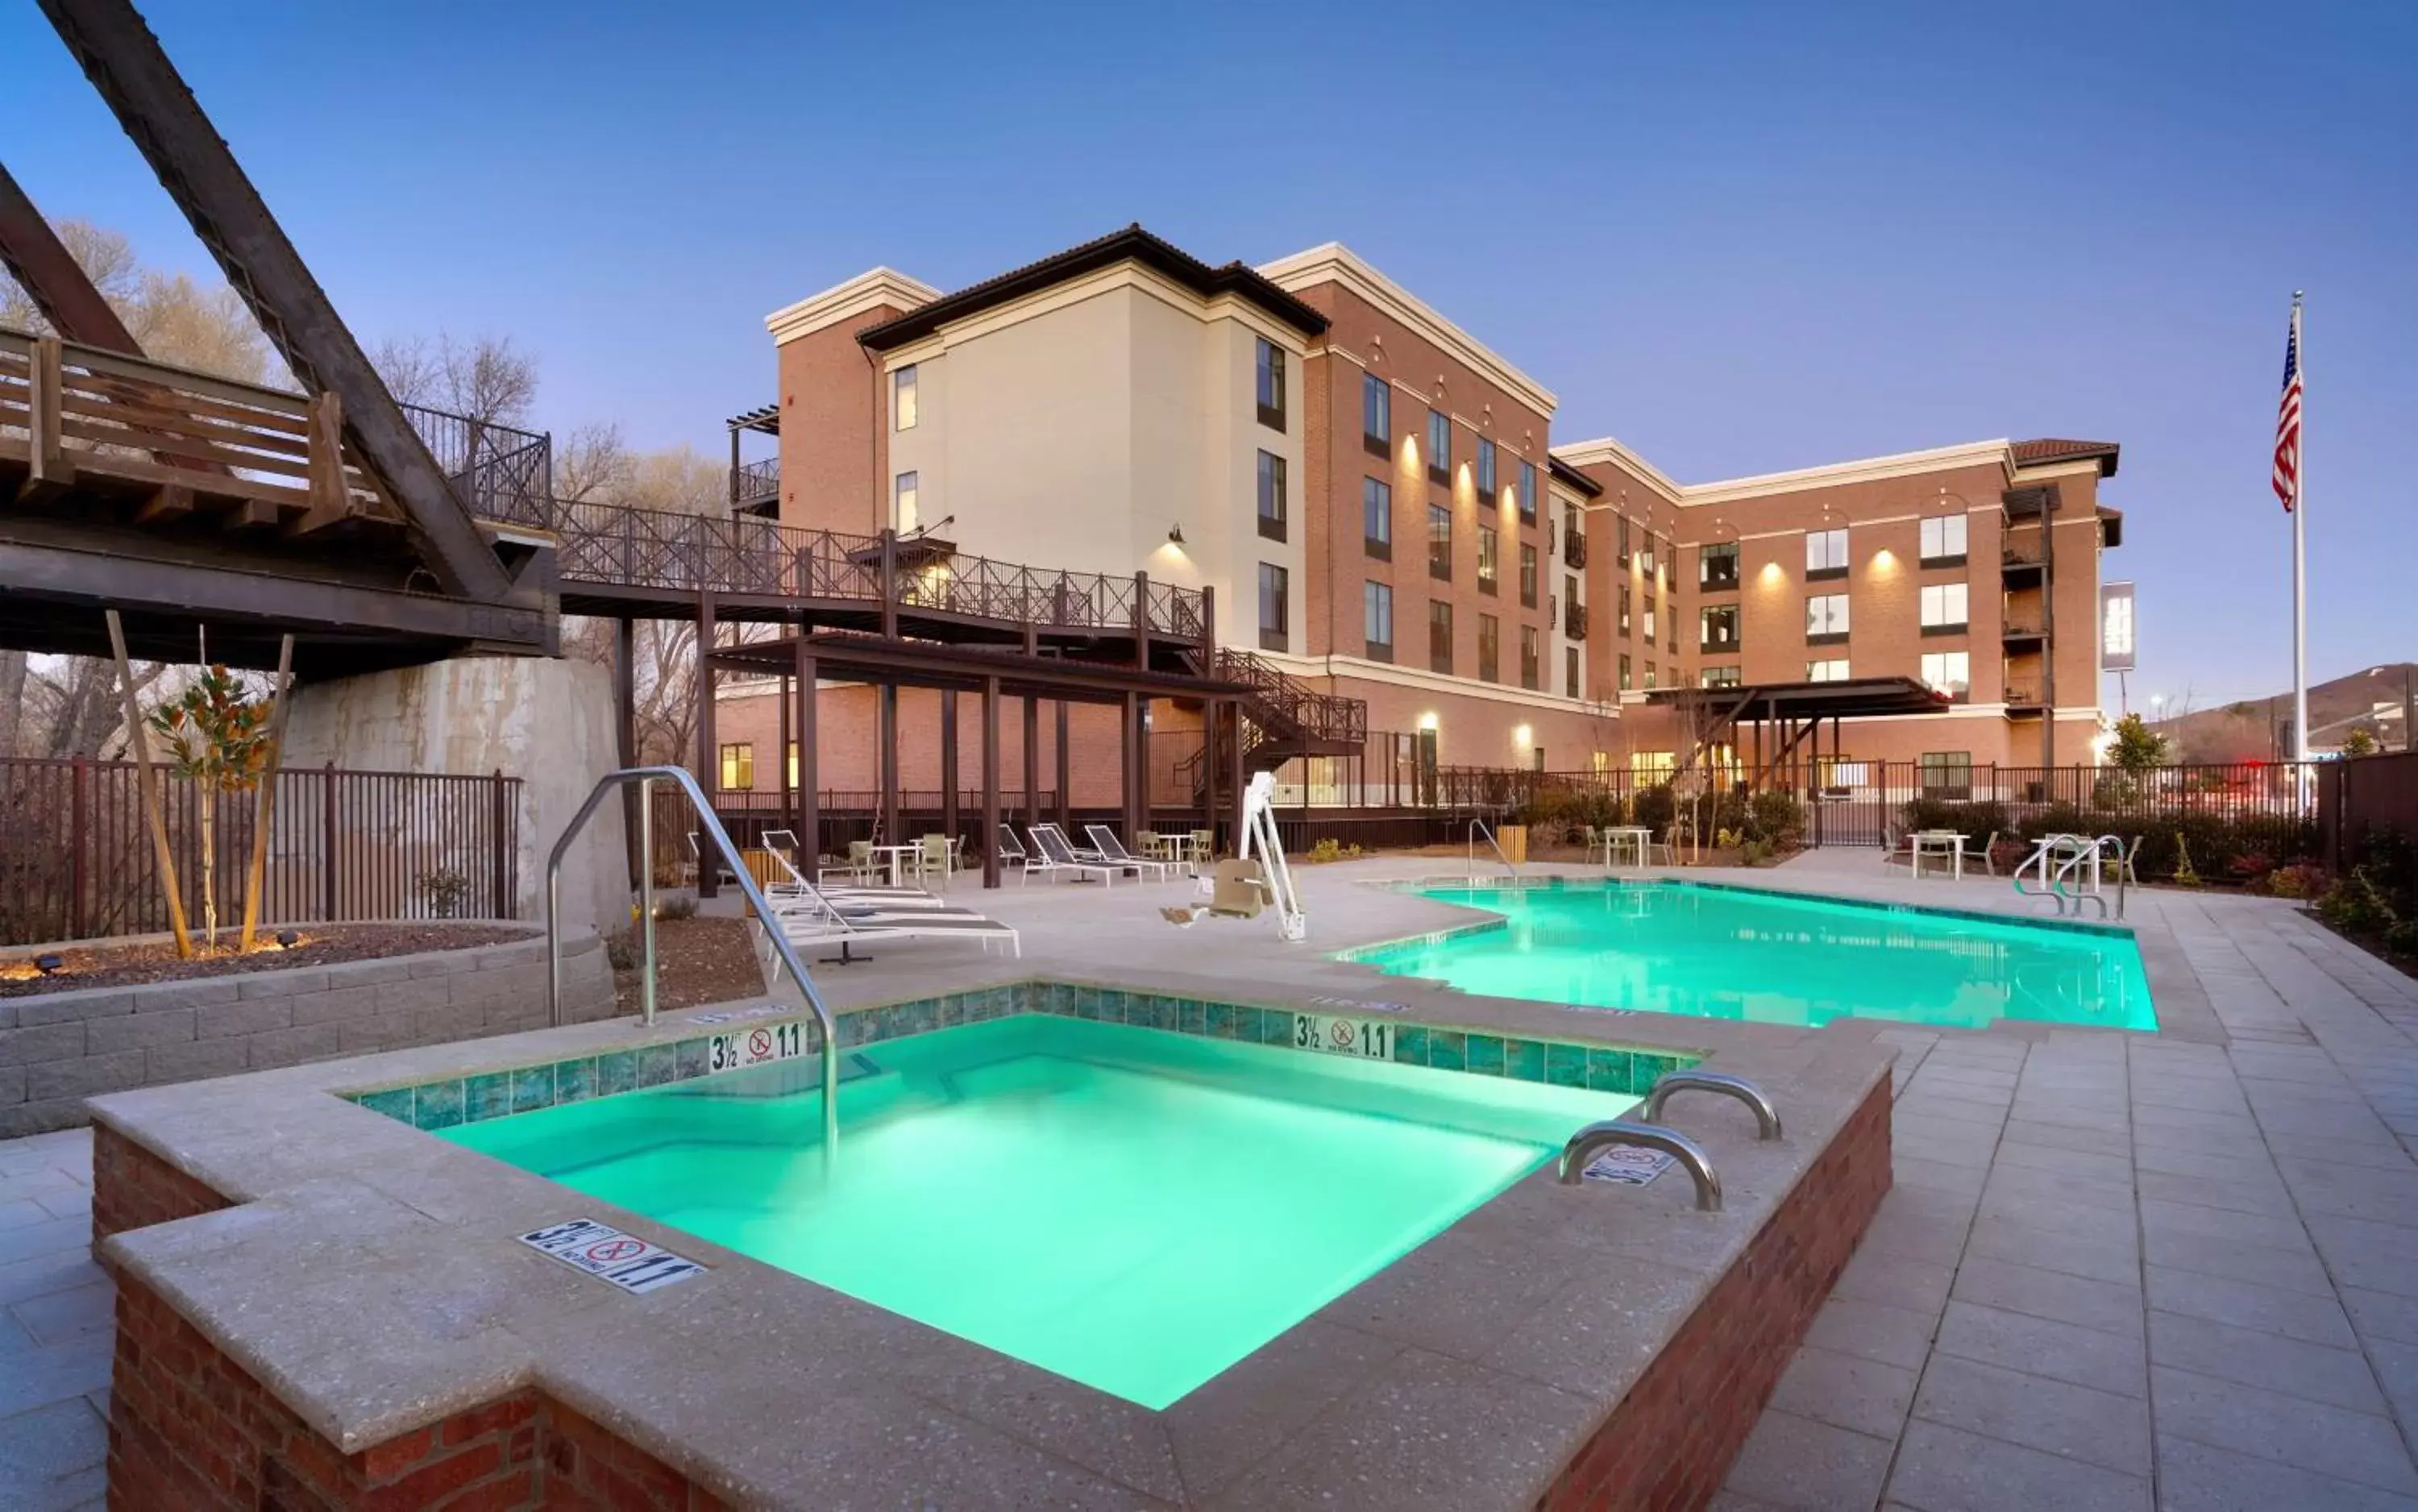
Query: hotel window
x=1623, y=611
x=1950, y=672
x=1720, y=630
x=1527, y=575
x=1486, y=497
x=1943, y=608
x=1377, y=518
x=737, y=767
x=793, y=763
x=1649, y=673
x=1651, y=767
x=1624, y=672
x=1487, y=549
x=1620, y=540
x=902, y=398
x=1527, y=493
x=1439, y=446
x=1648, y=619
x=1376, y=415
x=1717, y=566
x=1440, y=543
x=1946, y=774
x=1272, y=497
x=1721, y=676
x=1826, y=554
x=1490, y=649
x=1270, y=385
x=1830, y=669
x=1530, y=671
x=1377, y=619
x=1570, y=671
x=1439, y=635
x=908, y=495
x=1274, y=591
x=1646, y=563
x=1826, y=619
x=1943, y=541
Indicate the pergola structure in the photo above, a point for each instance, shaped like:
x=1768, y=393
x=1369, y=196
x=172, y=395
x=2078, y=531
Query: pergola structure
x=1794, y=712
x=800, y=662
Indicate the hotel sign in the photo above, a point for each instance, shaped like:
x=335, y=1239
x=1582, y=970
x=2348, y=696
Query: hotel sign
x=2115, y=627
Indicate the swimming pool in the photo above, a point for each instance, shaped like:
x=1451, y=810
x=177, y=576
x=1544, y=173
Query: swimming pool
x=1131, y=1208
x=1713, y=952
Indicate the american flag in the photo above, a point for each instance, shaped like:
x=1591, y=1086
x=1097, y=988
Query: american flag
x=2287, y=420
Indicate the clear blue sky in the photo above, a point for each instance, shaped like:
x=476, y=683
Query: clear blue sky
x=1740, y=237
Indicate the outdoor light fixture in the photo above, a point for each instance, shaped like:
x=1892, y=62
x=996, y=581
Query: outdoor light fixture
x=288, y=940
x=1175, y=535
x=50, y=965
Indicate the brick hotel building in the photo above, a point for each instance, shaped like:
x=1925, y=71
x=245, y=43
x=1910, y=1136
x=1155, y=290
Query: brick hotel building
x=1381, y=507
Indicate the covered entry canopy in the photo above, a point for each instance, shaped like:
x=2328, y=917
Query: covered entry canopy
x=1798, y=707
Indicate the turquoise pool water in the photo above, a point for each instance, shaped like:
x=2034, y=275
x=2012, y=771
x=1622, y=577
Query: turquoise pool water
x=1131, y=1208
x=1768, y=958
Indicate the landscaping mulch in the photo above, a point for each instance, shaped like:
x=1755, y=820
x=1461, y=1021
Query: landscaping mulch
x=697, y=961
x=106, y=964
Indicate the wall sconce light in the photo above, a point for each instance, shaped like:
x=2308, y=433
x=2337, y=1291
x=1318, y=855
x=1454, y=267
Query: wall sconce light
x=1427, y=721
x=1522, y=737
x=1175, y=535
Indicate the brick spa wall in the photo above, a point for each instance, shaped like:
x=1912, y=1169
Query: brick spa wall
x=1668, y=1445
x=59, y=1048
x=190, y=1428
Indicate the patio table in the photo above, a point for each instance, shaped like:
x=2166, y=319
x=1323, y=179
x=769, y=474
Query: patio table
x=897, y=860
x=1947, y=843
x=1629, y=838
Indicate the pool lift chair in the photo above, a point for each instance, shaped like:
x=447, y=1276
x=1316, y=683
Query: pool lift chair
x=1244, y=885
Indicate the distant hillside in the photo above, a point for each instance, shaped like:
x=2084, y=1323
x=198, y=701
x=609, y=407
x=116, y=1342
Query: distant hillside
x=2240, y=731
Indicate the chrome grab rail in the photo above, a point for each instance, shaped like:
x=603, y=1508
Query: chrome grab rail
x=1476, y=828
x=645, y=777
x=1767, y=1118
x=1583, y=1146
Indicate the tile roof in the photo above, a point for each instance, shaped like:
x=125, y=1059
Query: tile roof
x=2056, y=449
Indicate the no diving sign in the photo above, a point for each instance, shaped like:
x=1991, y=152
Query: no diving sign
x=626, y=1260
x=1627, y=1165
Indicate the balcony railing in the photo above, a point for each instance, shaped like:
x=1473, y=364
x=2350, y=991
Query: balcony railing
x=755, y=484
x=1574, y=620
x=499, y=472
x=1574, y=548
x=2014, y=552
x=2028, y=627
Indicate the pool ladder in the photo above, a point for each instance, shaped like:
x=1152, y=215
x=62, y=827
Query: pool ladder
x=1645, y=1134
x=645, y=779
x=2056, y=857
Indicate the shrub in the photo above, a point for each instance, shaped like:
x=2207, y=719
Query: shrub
x=1653, y=807
x=2355, y=906
x=2302, y=879
x=2185, y=876
x=1331, y=850
x=2250, y=867
x=2402, y=938
x=1777, y=817
x=673, y=906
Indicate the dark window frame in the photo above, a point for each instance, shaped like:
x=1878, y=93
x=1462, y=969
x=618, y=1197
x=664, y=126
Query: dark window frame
x=1489, y=583
x=1268, y=375
x=1719, y=551
x=1440, y=626
x=1439, y=447
x=1531, y=572
x=1711, y=645
x=1271, y=485
x=1439, y=545
x=1378, y=443
x=1489, y=468
x=1490, y=649
x=1373, y=593
x=1379, y=547
x=1527, y=491
x=1276, y=638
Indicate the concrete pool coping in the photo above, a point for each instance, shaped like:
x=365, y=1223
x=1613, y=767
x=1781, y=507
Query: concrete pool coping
x=370, y=1277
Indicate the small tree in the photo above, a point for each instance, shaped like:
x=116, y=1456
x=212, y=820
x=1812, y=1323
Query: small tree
x=2359, y=742
x=219, y=741
x=2137, y=747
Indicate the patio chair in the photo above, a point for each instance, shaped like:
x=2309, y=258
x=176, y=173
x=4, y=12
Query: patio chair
x=1010, y=850
x=1112, y=850
x=782, y=843
x=794, y=886
x=859, y=867
x=1989, y=867
x=1057, y=855
x=810, y=917
x=935, y=855
x=695, y=869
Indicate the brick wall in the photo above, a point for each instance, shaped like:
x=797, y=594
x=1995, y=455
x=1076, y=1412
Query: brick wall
x=1669, y=1444
x=59, y=1048
x=133, y=1189
x=192, y=1429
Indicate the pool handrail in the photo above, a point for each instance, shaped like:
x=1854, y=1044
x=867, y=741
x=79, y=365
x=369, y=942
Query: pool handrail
x=645, y=778
x=1767, y=1118
x=1583, y=1146
x=1476, y=828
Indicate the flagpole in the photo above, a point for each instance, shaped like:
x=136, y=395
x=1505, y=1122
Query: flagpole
x=2300, y=559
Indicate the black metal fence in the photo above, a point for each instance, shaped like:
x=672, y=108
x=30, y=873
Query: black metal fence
x=77, y=860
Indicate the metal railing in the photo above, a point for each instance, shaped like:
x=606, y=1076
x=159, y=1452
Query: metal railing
x=1767, y=1118
x=500, y=471
x=755, y=482
x=1476, y=828
x=1583, y=1145
x=645, y=779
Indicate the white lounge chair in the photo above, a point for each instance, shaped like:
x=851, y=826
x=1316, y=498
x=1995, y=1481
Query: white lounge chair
x=794, y=885
x=808, y=916
x=1057, y=854
x=1112, y=850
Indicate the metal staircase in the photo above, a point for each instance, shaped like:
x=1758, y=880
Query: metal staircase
x=1281, y=718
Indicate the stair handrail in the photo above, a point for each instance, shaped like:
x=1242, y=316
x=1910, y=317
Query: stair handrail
x=645, y=778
